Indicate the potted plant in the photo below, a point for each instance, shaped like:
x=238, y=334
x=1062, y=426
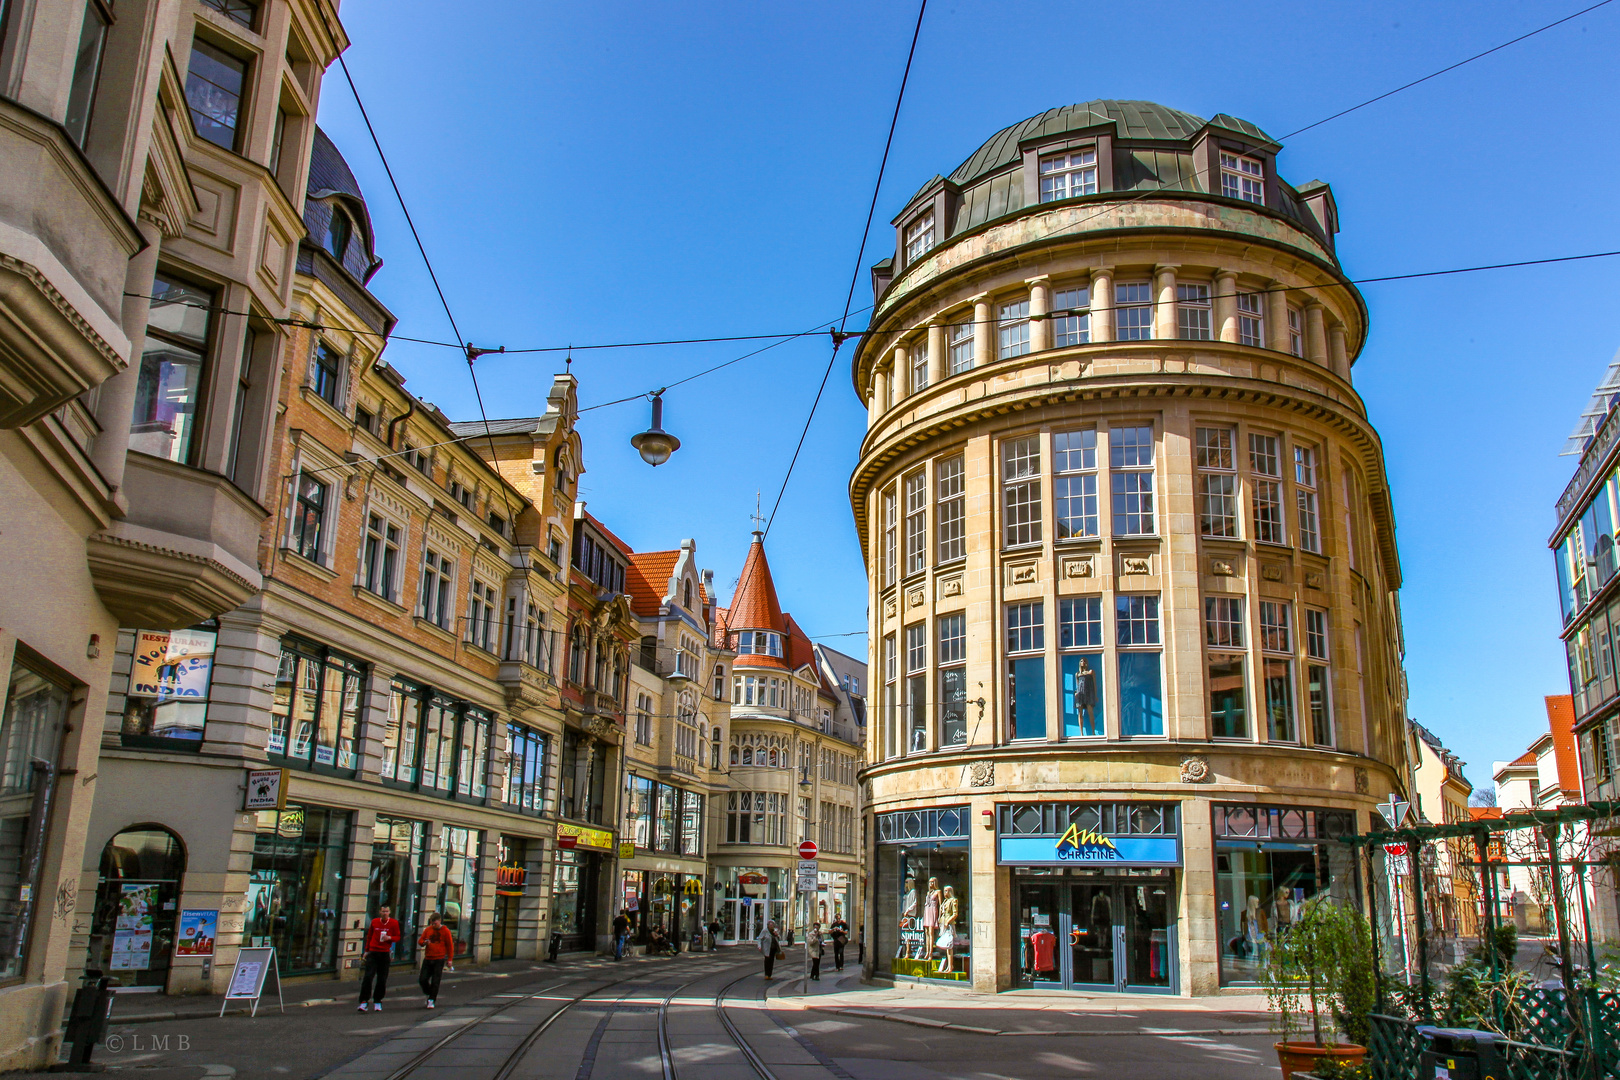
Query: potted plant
x=1319, y=980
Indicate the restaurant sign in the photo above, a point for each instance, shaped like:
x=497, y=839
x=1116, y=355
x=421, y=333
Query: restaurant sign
x=586, y=837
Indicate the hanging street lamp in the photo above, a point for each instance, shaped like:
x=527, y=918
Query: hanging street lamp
x=656, y=444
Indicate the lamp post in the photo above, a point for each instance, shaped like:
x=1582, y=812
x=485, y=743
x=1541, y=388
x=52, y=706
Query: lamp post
x=655, y=444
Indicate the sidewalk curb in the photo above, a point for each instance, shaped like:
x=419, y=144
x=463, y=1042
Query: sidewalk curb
x=941, y=1025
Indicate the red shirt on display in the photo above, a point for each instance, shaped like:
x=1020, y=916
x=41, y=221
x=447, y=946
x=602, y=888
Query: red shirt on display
x=382, y=935
x=1045, y=943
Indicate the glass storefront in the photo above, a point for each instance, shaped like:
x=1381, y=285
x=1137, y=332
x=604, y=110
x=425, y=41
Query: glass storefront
x=511, y=882
x=923, y=889
x=295, y=886
x=573, y=900
x=1269, y=860
x=398, y=859
x=458, y=885
x=1095, y=889
x=36, y=707
x=749, y=896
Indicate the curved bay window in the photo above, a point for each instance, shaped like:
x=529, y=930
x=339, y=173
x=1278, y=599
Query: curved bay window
x=436, y=744
x=169, y=383
x=315, y=717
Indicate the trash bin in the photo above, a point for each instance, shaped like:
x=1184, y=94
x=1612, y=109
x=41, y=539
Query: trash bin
x=1460, y=1054
x=87, y=1018
x=555, y=947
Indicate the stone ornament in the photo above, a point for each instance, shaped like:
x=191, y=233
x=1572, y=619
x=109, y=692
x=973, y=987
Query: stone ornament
x=1315, y=580
x=1021, y=575
x=1077, y=568
x=1142, y=564
x=889, y=608
x=1363, y=784
x=951, y=587
x=1194, y=770
x=1220, y=568
x=981, y=773
x=1271, y=571
x=915, y=598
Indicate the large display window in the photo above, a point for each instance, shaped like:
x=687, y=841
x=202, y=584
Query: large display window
x=295, y=887
x=1269, y=861
x=458, y=884
x=923, y=889
x=398, y=859
x=170, y=675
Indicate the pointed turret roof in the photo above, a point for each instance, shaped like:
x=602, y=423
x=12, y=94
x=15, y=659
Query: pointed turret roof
x=754, y=605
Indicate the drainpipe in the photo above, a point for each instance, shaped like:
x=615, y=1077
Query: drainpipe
x=393, y=425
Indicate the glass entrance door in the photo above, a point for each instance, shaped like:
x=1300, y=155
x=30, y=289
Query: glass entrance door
x=1098, y=934
x=747, y=919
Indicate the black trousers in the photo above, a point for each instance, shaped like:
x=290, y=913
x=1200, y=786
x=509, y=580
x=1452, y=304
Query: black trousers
x=432, y=972
x=374, y=981
x=815, y=967
x=770, y=962
x=838, y=954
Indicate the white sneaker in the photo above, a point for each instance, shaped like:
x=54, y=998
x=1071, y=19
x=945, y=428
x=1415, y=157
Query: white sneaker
x=376, y=1006
x=430, y=1003
x=362, y=1006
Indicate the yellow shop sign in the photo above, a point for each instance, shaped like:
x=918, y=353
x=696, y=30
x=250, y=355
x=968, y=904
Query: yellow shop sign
x=585, y=837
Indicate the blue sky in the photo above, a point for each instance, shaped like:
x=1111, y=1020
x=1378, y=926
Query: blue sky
x=604, y=172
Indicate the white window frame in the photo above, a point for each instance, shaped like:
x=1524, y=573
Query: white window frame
x=437, y=602
x=920, y=236
x=1012, y=329
x=1130, y=477
x=483, y=628
x=1194, y=313
x=1267, y=518
x=950, y=509
x=1133, y=310
x=1021, y=490
x=962, y=346
x=1296, y=332
x=915, y=485
x=1251, y=320
x=1071, y=316
x=1306, y=484
x=1243, y=177
x=1074, y=480
x=1215, y=463
x=1068, y=175
x=919, y=365
x=890, y=501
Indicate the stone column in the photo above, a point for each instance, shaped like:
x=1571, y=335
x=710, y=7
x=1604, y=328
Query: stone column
x=880, y=392
x=1276, y=317
x=1226, y=324
x=1164, y=310
x=1338, y=354
x=1197, y=922
x=901, y=366
x=984, y=331
x=115, y=400
x=1102, y=304
x=939, y=367
x=1040, y=304
x=1315, y=334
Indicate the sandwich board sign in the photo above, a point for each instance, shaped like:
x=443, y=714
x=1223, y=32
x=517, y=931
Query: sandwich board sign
x=247, y=978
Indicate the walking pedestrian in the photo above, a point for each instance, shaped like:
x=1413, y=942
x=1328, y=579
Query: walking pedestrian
x=438, y=946
x=840, y=938
x=379, y=949
x=714, y=934
x=621, y=930
x=813, y=943
x=771, y=945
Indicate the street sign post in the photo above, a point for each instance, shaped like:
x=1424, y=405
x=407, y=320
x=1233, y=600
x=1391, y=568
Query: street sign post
x=1394, y=811
x=809, y=878
x=808, y=849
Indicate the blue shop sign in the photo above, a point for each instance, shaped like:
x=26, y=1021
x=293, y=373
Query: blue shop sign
x=1079, y=848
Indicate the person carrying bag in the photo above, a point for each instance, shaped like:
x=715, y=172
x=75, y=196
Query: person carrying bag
x=813, y=942
x=770, y=945
x=438, y=947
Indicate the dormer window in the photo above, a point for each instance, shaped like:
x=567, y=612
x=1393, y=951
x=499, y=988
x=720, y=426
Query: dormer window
x=338, y=231
x=919, y=237
x=1243, y=178
x=759, y=643
x=1065, y=176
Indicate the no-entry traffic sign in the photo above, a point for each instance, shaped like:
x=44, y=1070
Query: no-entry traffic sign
x=808, y=849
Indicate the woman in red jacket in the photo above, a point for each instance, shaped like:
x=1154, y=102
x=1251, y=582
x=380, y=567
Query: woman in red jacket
x=438, y=945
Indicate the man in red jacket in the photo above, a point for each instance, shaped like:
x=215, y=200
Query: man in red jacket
x=379, y=947
x=438, y=945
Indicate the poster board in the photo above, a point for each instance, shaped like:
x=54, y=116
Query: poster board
x=253, y=966
x=132, y=933
x=198, y=929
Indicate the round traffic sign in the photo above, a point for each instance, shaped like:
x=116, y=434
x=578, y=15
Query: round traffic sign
x=808, y=849
x=1396, y=850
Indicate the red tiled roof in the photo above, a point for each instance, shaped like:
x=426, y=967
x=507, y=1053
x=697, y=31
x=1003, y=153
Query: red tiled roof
x=754, y=606
x=647, y=579
x=717, y=636
x=1561, y=722
x=1526, y=758
x=607, y=532
x=801, y=652
x=1479, y=813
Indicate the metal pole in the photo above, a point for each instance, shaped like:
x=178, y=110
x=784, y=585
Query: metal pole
x=1372, y=918
x=1487, y=889
x=1415, y=854
x=1560, y=913
x=1586, y=922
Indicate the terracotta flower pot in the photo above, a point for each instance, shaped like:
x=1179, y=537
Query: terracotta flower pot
x=1303, y=1056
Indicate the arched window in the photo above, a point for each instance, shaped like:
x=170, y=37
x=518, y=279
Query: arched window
x=773, y=759
x=562, y=474
x=338, y=231
x=748, y=755
x=688, y=594
x=734, y=753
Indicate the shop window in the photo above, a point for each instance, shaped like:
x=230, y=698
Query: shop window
x=917, y=687
x=214, y=86
x=1080, y=637
x=1026, y=675
x=925, y=898
x=36, y=708
x=315, y=715
x=398, y=872
x=458, y=884
x=133, y=929
x=1141, y=693
x=178, y=330
x=1228, y=694
x=295, y=886
x=170, y=675
x=952, y=680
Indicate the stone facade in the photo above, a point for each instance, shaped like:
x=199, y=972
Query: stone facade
x=1119, y=427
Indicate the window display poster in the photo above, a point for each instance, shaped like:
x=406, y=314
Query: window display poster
x=198, y=929
x=172, y=665
x=261, y=909
x=132, y=933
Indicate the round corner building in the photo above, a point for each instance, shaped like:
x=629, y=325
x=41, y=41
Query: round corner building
x=1135, y=627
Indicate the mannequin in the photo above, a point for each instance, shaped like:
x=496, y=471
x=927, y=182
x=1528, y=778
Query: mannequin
x=930, y=919
x=1085, y=696
x=908, y=913
x=947, y=928
x=1254, y=926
